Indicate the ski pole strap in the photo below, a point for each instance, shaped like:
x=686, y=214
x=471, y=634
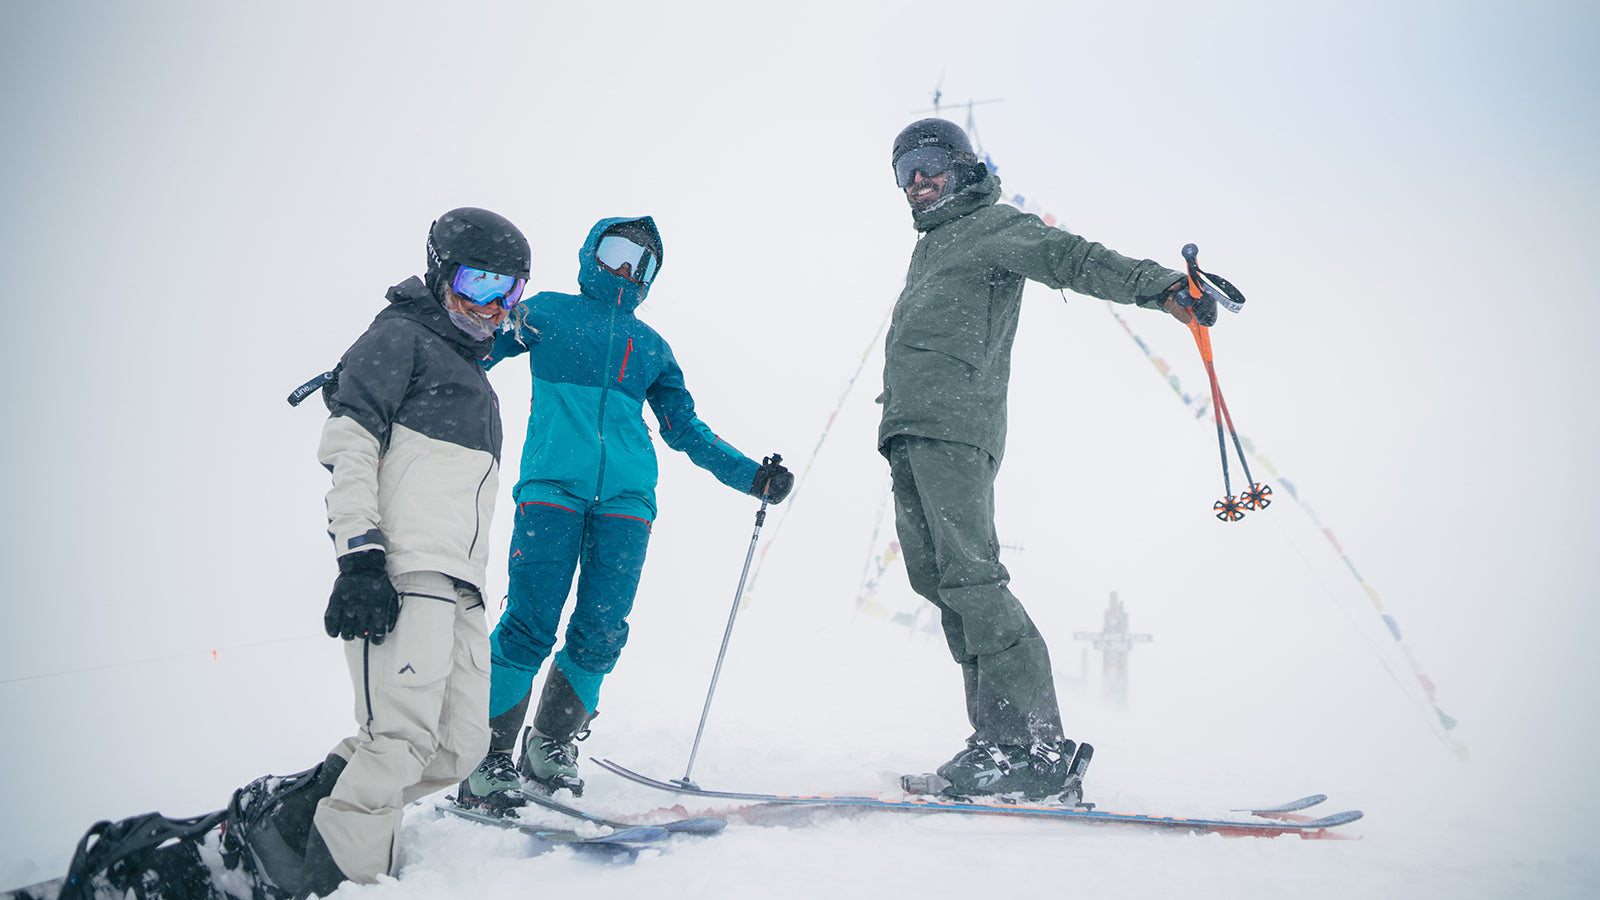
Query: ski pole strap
x=1223, y=292
x=299, y=394
x=1219, y=288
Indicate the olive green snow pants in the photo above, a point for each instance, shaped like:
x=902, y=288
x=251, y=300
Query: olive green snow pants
x=944, y=513
x=422, y=704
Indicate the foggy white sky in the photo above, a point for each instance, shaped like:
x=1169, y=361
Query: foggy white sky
x=1407, y=193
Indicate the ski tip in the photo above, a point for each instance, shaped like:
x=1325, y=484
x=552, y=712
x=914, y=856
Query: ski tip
x=697, y=825
x=630, y=835
x=1338, y=818
x=1305, y=802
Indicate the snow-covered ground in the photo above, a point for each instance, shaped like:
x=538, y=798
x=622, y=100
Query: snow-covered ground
x=841, y=705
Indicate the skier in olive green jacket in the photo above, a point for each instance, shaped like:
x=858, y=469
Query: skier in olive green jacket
x=946, y=369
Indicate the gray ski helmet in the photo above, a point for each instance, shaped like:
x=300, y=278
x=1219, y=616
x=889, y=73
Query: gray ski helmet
x=931, y=133
x=478, y=239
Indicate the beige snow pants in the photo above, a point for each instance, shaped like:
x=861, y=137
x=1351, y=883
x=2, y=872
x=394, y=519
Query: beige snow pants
x=422, y=707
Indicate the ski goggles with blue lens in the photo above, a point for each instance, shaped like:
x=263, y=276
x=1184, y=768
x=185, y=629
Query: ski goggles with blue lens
x=483, y=288
x=616, y=252
x=930, y=161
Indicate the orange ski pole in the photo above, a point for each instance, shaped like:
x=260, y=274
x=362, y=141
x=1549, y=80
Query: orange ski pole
x=1257, y=496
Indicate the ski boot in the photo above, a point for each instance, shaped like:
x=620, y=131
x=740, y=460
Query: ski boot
x=985, y=768
x=549, y=746
x=493, y=787
x=550, y=762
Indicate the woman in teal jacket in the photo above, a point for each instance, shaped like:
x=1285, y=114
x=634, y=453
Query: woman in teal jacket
x=586, y=499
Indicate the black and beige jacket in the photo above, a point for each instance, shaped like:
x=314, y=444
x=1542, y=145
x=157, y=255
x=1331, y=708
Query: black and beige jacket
x=413, y=442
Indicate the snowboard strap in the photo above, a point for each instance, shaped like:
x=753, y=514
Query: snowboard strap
x=121, y=852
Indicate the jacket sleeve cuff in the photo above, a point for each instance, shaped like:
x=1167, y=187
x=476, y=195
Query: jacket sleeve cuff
x=1156, y=287
x=371, y=539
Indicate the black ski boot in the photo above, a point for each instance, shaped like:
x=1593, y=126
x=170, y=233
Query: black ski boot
x=985, y=768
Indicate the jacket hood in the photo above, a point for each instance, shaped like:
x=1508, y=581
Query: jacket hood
x=411, y=299
x=983, y=192
x=609, y=287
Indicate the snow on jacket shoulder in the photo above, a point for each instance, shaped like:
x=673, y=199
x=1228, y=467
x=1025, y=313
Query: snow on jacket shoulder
x=413, y=442
x=595, y=365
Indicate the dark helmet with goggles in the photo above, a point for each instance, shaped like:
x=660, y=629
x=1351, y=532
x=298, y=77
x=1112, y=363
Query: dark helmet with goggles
x=631, y=249
x=932, y=147
x=479, y=255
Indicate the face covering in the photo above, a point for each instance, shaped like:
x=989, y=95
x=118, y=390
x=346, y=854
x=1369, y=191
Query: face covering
x=471, y=327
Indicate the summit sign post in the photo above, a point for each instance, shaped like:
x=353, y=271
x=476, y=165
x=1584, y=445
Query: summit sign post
x=1116, y=642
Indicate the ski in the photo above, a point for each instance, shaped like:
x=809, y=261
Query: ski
x=688, y=825
x=627, y=840
x=1309, y=828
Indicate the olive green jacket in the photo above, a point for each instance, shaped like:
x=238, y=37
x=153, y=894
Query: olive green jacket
x=947, y=358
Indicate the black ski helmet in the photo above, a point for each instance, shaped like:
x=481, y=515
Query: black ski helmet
x=932, y=132
x=478, y=239
x=928, y=142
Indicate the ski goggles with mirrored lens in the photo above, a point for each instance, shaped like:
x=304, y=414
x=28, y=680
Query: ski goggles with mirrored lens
x=930, y=161
x=615, y=251
x=484, y=288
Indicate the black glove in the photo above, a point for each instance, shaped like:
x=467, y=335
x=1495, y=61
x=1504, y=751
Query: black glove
x=773, y=480
x=1204, y=309
x=364, y=603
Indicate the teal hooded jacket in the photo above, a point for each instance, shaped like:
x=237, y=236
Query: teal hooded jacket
x=595, y=366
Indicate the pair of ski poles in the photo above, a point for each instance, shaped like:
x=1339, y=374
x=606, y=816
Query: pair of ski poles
x=1256, y=496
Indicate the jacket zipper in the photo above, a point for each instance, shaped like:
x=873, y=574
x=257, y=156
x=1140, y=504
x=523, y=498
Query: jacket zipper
x=605, y=392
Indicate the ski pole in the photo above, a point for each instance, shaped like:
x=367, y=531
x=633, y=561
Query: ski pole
x=727, y=634
x=1256, y=496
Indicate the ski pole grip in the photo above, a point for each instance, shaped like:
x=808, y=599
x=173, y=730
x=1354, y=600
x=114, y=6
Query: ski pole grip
x=1191, y=255
x=766, y=486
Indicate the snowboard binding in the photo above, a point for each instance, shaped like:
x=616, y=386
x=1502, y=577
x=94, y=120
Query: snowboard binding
x=143, y=856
